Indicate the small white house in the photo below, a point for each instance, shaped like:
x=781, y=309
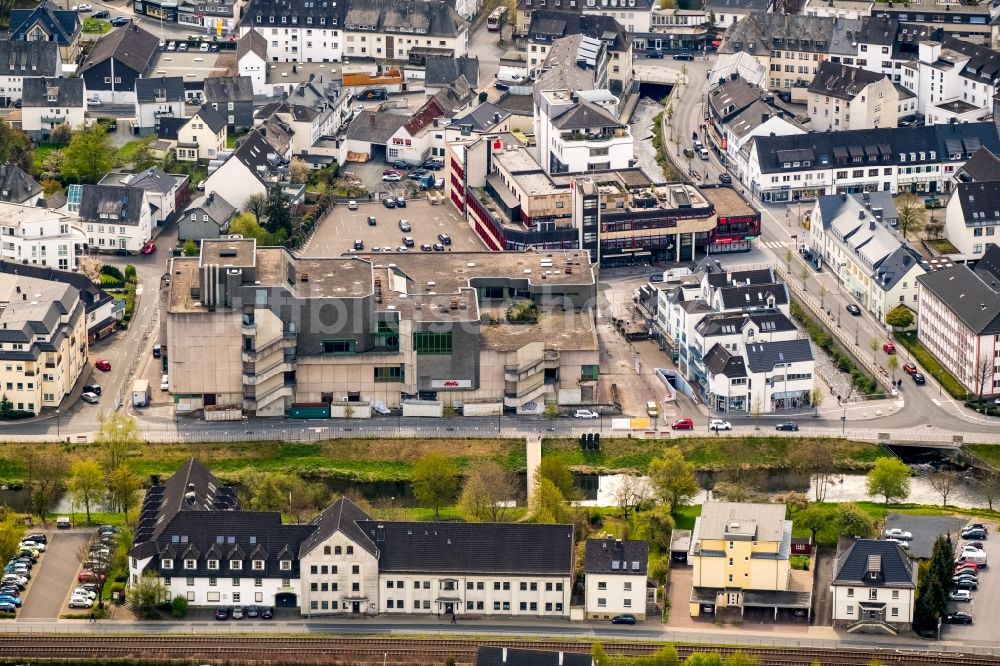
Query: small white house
x=161, y=97
x=615, y=577
x=50, y=102
x=115, y=217
x=873, y=588
x=202, y=137
x=251, y=59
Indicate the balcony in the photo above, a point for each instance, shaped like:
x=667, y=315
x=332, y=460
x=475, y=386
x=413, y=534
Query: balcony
x=592, y=137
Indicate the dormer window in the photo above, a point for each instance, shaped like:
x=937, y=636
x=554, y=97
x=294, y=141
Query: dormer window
x=258, y=565
x=213, y=565
x=235, y=564
x=285, y=565
x=190, y=564
x=167, y=564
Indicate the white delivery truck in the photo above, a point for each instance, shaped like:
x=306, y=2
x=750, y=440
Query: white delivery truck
x=140, y=393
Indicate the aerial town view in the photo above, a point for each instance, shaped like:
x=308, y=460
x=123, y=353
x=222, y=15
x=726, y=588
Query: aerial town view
x=500, y=332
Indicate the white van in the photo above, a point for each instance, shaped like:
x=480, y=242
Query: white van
x=978, y=559
x=652, y=409
x=703, y=153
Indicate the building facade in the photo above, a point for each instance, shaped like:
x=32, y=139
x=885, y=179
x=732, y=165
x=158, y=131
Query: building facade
x=874, y=588
x=34, y=235
x=615, y=578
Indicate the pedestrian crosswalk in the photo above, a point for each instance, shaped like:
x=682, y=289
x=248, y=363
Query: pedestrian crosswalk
x=774, y=245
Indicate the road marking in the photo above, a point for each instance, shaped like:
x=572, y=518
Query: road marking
x=774, y=245
x=936, y=401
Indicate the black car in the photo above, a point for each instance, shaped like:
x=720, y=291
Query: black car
x=788, y=425
x=400, y=201
x=359, y=245
x=500, y=85
x=623, y=619
x=417, y=174
x=119, y=21
x=444, y=238
x=684, y=56
x=38, y=537
x=251, y=611
x=102, y=14
x=854, y=309
x=400, y=164
x=438, y=247
x=974, y=533
x=965, y=583
x=372, y=221
x=266, y=613
x=654, y=53
x=958, y=618
x=918, y=378
x=89, y=388
x=424, y=247
x=389, y=202
x=222, y=613
x=725, y=179
x=408, y=241
x=433, y=165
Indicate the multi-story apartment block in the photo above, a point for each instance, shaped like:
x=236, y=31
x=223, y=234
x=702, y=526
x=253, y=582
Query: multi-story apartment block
x=841, y=97
x=854, y=237
x=953, y=80
x=21, y=59
x=973, y=217
x=672, y=28
x=903, y=159
x=202, y=546
x=303, y=31
x=117, y=218
x=47, y=103
x=633, y=15
x=42, y=236
x=740, y=557
x=959, y=323
x=730, y=12
x=615, y=578
x=412, y=328
x=43, y=341
x=156, y=98
x=975, y=23
x=874, y=588
x=845, y=9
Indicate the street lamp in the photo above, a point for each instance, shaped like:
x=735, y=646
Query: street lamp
x=58, y=431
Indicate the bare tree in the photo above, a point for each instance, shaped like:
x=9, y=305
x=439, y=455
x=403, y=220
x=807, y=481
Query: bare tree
x=984, y=372
x=757, y=410
x=488, y=493
x=821, y=466
x=631, y=493
x=90, y=266
x=804, y=274
x=990, y=488
x=944, y=483
x=873, y=345
x=910, y=214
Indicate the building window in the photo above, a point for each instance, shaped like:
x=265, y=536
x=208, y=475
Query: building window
x=850, y=593
x=258, y=582
x=602, y=602
x=427, y=343
x=326, y=550
x=873, y=594
x=389, y=374
x=190, y=564
x=850, y=610
x=345, y=346
x=236, y=582
x=213, y=582
x=213, y=565
x=602, y=585
x=235, y=564
x=285, y=565
x=627, y=603
x=258, y=565
x=895, y=594
x=167, y=564
x=236, y=597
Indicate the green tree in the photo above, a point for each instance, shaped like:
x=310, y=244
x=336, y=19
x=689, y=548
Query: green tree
x=6, y=407
x=143, y=159
x=86, y=483
x=60, y=134
x=673, y=477
x=279, y=216
x=555, y=470
x=910, y=214
x=146, y=593
x=246, y=225
x=549, y=505
x=851, y=520
x=15, y=147
x=267, y=494
x=813, y=518
x=487, y=493
x=655, y=525
x=89, y=155
x=890, y=478
x=179, y=606
x=703, y=659
x=124, y=487
x=900, y=317
x=190, y=248
x=46, y=474
x=435, y=481
x=551, y=410
x=117, y=436
x=893, y=364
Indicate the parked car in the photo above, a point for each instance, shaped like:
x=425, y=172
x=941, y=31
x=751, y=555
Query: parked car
x=37, y=545
x=854, y=309
x=83, y=592
x=444, y=238
x=918, y=378
x=204, y=47
x=958, y=618
x=400, y=164
x=8, y=608
x=438, y=247
x=119, y=21
x=359, y=244
x=82, y=7
x=266, y=613
x=424, y=247
x=251, y=611
x=92, y=398
x=405, y=227
x=237, y=612
x=790, y=426
x=654, y=53
x=392, y=178
x=182, y=47
x=500, y=85
x=149, y=248
x=889, y=348
x=389, y=202
x=965, y=584
x=408, y=241
x=623, y=619
x=352, y=205
x=103, y=14
x=902, y=544
x=684, y=56
x=682, y=424
x=39, y=537
x=897, y=533
x=585, y=414
x=400, y=201
x=909, y=368
x=104, y=365
x=977, y=526
x=80, y=602
x=221, y=613
x=372, y=221
x=973, y=533
x=9, y=599
x=725, y=179
x=719, y=424
x=88, y=576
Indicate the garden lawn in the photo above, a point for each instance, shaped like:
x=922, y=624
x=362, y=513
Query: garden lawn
x=931, y=365
x=126, y=154
x=42, y=150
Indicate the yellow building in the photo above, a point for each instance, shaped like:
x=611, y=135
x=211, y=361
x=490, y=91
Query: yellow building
x=738, y=550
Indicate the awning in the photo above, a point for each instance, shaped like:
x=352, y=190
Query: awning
x=361, y=598
x=449, y=600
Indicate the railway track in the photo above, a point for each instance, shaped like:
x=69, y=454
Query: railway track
x=328, y=650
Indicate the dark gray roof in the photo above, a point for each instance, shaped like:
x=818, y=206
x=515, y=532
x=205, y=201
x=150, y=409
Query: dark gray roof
x=885, y=559
x=63, y=24
x=761, y=356
x=29, y=58
x=980, y=203
x=483, y=118
x=215, y=120
x=728, y=324
x=738, y=5
x=616, y=556
x=439, y=71
x=982, y=166
x=937, y=143
x=92, y=296
x=342, y=516
x=755, y=276
x=220, y=89
x=160, y=89
x=878, y=30
x=480, y=548
x=253, y=152
x=965, y=293
x=494, y=656
x=252, y=42
x=842, y=81
x=153, y=179
x=121, y=204
x=547, y=25
x=759, y=33
x=130, y=45
x=988, y=266
x=585, y=115
x=36, y=92
x=525, y=6
x=375, y=127
x=732, y=96
x=169, y=127
x=218, y=209
x=15, y=185
x=752, y=296
x=984, y=63
x=435, y=19
x=896, y=266
x=721, y=361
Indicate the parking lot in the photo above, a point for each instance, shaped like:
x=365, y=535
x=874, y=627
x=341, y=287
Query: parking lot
x=54, y=575
x=925, y=531
x=985, y=600
x=341, y=227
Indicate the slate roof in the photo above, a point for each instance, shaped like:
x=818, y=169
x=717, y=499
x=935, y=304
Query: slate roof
x=153, y=179
x=29, y=58
x=443, y=104
x=92, y=296
x=756, y=34
x=494, y=656
x=122, y=203
x=947, y=142
x=979, y=202
x=762, y=356
x=616, y=556
x=983, y=65
x=753, y=117
x=433, y=19
x=988, y=266
x=753, y=296
x=738, y=5
x=23, y=321
x=472, y=548
x=218, y=209
x=342, y=516
x=215, y=120
x=483, y=118
x=878, y=30
x=732, y=96
x=252, y=42
x=371, y=127
x=966, y=294
x=889, y=563
x=169, y=127
x=35, y=92
x=982, y=166
x=440, y=71
x=896, y=266
x=842, y=81
x=221, y=89
x=15, y=185
x=547, y=25
x=720, y=361
x=253, y=152
x=728, y=324
x=64, y=24
x=755, y=276
x=130, y=45
x=585, y=115
x=162, y=88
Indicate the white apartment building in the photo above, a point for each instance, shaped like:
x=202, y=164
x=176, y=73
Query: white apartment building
x=27, y=58
x=973, y=217
x=953, y=79
x=874, y=588
x=251, y=59
x=47, y=103
x=40, y=236
x=845, y=9
x=615, y=578
x=841, y=97
x=116, y=218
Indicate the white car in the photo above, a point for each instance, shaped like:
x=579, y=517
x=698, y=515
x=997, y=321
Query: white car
x=352, y=205
x=92, y=398
x=37, y=545
x=80, y=602
x=897, y=533
x=902, y=544
x=94, y=101
x=85, y=593
x=171, y=46
x=719, y=424
x=84, y=7
x=585, y=414
x=165, y=383
x=392, y=178
x=969, y=551
x=204, y=47
x=960, y=595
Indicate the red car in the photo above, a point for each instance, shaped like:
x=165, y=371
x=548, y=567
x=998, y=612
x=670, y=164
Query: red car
x=88, y=576
x=909, y=368
x=889, y=348
x=682, y=424
x=149, y=248
x=104, y=365
x=391, y=172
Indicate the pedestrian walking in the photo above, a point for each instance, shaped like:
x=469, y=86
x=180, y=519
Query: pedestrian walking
x=93, y=617
x=454, y=618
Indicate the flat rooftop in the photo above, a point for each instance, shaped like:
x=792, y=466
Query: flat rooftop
x=229, y=252
x=727, y=201
x=515, y=158
x=557, y=329
x=330, y=278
